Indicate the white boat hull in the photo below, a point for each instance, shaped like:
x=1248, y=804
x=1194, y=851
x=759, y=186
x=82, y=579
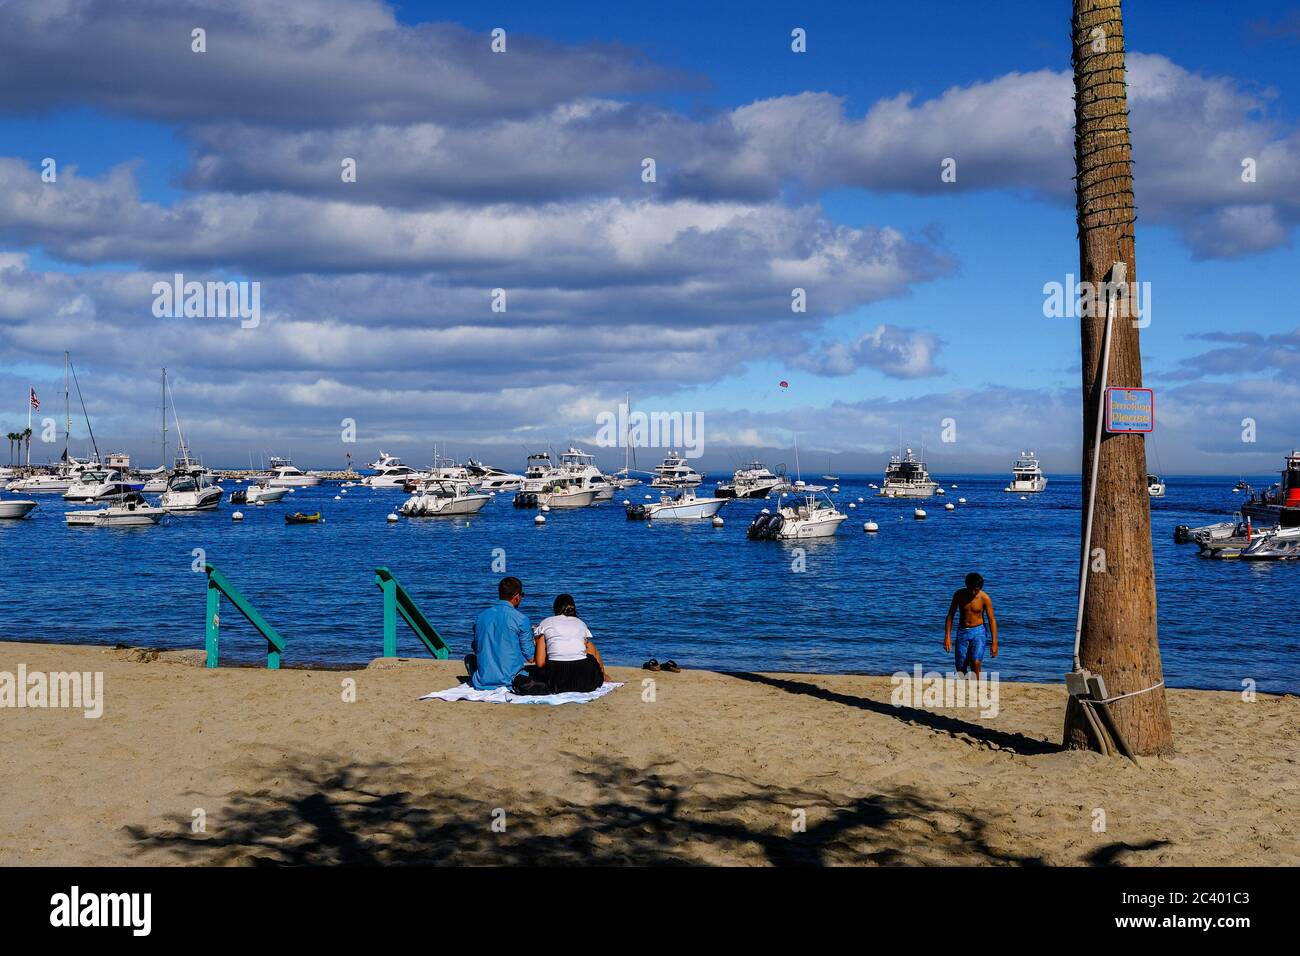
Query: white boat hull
x=908, y=491
x=15, y=508
x=301, y=481
x=114, y=517
x=267, y=496
x=796, y=529
x=692, y=510
x=567, y=499
x=429, y=506
x=40, y=485
x=1027, y=487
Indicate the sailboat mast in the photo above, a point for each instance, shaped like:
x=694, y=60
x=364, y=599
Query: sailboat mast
x=67, y=408
x=164, y=418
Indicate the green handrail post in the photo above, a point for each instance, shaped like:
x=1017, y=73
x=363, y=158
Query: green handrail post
x=219, y=585
x=398, y=601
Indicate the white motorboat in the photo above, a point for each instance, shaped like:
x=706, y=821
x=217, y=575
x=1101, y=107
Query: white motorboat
x=810, y=514
x=1026, y=475
x=906, y=477
x=154, y=480
x=578, y=464
x=53, y=482
x=565, y=491
x=389, y=473
x=100, y=485
x=488, y=478
x=755, y=480
x=132, y=511
x=1155, y=486
x=285, y=475
x=683, y=507
x=675, y=472
x=190, y=489
x=15, y=507
x=441, y=498
x=264, y=494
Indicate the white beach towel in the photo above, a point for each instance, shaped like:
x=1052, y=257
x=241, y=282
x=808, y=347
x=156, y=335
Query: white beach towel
x=503, y=695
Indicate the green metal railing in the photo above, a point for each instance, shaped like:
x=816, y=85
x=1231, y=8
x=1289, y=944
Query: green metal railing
x=219, y=585
x=398, y=601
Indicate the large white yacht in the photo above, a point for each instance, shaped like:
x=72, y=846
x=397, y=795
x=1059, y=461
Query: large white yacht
x=285, y=475
x=755, y=480
x=440, y=498
x=809, y=514
x=578, y=464
x=906, y=477
x=675, y=472
x=190, y=489
x=389, y=473
x=493, y=479
x=1026, y=475
x=53, y=482
x=104, y=484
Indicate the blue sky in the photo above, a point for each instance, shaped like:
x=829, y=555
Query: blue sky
x=522, y=172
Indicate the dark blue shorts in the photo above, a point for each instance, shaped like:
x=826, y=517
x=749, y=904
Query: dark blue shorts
x=969, y=646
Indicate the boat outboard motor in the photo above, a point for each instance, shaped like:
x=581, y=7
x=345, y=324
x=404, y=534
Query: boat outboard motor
x=239, y=497
x=635, y=512
x=1182, y=534
x=526, y=499
x=773, y=528
x=757, y=526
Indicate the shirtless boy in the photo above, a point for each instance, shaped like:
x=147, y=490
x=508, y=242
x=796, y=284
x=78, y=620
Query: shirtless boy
x=973, y=604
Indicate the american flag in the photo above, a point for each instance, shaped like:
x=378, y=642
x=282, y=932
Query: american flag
x=36, y=402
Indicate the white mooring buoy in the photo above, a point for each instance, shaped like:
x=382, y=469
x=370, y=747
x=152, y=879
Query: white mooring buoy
x=871, y=527
x=391, y=517
x=237, y=516
x=950, y=507
x=540, y=519
x=717, y=521
x=961, y=501
x=919, y=514
x=546, y=508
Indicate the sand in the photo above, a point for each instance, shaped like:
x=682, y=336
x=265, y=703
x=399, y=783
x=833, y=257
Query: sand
x=240, y=766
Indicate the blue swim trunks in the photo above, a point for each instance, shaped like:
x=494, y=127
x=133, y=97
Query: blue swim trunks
x=969, y=646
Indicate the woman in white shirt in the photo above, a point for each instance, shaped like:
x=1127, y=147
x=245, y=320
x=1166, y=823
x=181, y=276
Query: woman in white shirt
x=566, y=656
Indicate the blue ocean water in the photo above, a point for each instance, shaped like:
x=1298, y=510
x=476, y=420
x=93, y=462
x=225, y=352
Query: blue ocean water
x=706, y=597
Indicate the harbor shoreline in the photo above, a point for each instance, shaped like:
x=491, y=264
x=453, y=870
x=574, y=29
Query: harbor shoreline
x=698, y=767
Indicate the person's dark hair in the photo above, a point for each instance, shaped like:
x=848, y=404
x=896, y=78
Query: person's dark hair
x=974, y=581
x=509, y=587
x=564, y=604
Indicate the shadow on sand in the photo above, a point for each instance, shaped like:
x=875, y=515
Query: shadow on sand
x=312, y=811
x=953, y=726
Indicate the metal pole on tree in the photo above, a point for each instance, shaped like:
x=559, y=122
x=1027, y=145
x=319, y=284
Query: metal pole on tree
x=1117, y=636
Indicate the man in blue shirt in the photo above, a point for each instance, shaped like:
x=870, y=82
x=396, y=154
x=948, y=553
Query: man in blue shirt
x=503, y=642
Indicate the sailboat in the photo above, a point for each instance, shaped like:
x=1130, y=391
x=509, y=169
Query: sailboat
x=188, y=487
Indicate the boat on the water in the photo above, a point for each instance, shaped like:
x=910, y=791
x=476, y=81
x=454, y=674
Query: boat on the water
x=685, y=506
x=190, y=489
x=1284, y=495
x=675, y=472
x=1027, y=475
x=442, y=498
x=99, y=485
x=488, y=478
x=755, y=480
x=132, y=511
x=1155, y=486
x=578, y=464
x=906, y=477
x=16, y=507
x=1282, y=545
x=285, y=475
x=810, y=514
x=389, y=473
x=299, y=518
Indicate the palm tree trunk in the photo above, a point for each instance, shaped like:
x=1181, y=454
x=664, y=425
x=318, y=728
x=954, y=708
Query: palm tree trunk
x=1119, y=639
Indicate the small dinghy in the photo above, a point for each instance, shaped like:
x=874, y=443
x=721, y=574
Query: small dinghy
x=299, y=518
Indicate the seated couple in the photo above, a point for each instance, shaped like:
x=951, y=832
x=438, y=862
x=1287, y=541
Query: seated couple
x=556, y=657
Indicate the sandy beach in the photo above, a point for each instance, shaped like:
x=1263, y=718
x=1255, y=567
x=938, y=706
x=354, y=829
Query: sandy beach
x=242, y=766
